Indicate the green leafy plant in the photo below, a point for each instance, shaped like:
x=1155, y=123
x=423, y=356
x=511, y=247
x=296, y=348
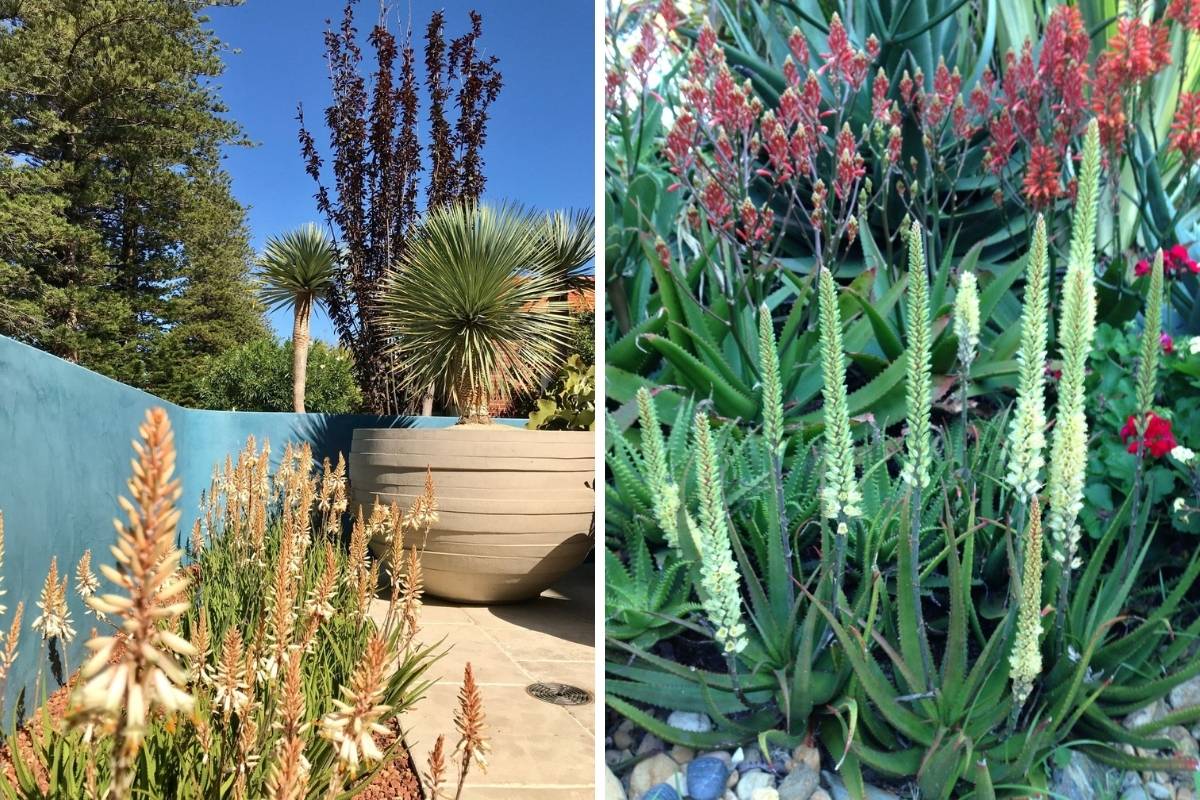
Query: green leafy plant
x=257, y=376
x=570, y=404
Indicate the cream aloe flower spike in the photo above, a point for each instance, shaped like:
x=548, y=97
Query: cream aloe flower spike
x=719, y=576
x=146, y=676
x=920, y=371
x=1147, y=371
x=1026, y=659
x=1027, y=435
x=663, y=491
x=772, y=393
x=966, y=319
x=1068, y=450
x=840, y=495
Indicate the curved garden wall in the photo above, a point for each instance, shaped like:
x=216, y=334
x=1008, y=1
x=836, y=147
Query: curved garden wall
x=65, y=435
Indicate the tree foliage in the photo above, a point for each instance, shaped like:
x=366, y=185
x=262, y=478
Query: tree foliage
x=121, y=245
x=258, y=377
x=375, y=164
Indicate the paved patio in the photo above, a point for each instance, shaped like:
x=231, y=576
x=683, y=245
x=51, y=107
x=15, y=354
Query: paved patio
x=539, y=750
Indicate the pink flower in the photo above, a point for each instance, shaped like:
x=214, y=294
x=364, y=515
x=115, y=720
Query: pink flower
x=1168, y=344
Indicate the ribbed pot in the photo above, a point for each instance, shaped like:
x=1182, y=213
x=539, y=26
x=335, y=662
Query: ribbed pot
x=514, y=506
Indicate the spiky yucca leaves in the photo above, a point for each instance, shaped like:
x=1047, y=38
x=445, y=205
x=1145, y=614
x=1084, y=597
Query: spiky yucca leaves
x=1025, y=663
x=1068, y=449
x=719, y=572
x=841, y=497
x=122, y=687
x=473, y=306
x=1027, y=437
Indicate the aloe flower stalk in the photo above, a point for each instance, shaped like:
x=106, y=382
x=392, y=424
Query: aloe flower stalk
x=1147, y=371
x=966, y=329
x=840, y=495
x=772, y=392
x=1068, y=449
x=918, y=385
x=1027, y=435
x=146, y=676
x=772, y=405
x=919, y=402
x=719, y=576
x=966, y=319
x=1147, y=374
x=1026, y=658
x=663, y=491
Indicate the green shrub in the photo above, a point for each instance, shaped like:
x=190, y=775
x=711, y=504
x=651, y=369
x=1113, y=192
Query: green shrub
x=258, y=377
x=570, y=403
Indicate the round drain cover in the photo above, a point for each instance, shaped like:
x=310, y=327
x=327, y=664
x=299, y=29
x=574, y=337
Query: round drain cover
x=561, y=694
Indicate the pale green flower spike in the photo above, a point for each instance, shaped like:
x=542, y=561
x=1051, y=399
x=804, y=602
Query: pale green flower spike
x=1026, y=659
x=840, y=496
x=1151, y=332
x=663, y=491
x=1027, y=437
x=966, y=319
x=772, y=390
x=719, y=574
x=1068, y=450
x=920, y=371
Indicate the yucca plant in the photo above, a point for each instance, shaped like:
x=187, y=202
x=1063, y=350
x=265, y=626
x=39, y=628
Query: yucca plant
x=297, y=270
x=476, y=304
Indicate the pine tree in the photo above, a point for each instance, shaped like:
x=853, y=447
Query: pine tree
x=121, y=245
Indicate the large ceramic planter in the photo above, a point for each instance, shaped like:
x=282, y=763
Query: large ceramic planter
x=514, y=506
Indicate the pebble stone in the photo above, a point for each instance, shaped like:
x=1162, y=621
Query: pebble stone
x=613, y=790
x=690, y=721
x=654, y=770
x=754, y=779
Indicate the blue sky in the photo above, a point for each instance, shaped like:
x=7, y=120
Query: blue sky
x=540, y=148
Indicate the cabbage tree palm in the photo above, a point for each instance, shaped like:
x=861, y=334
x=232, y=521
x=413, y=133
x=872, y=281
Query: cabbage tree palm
x=296, y=270
x=476, y=306
x=570, y=241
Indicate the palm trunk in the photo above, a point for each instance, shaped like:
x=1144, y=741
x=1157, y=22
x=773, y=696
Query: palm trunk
x=473, y=406
x=300, y=342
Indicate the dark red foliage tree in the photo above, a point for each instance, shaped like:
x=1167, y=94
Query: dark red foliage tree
x=375, y=162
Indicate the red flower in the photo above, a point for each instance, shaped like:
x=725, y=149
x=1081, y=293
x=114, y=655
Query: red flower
x=1185, y=130
x=1041, y=176
x=1157, y=439
x=1186, y=12
x=1168, y=344
x=1141, y=268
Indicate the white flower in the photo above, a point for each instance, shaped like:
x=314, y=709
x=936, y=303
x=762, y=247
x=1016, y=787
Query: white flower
x=1194, y=345
x=1182, y=454
x=1178, y=504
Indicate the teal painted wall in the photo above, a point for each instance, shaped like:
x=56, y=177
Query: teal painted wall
x=65, y=442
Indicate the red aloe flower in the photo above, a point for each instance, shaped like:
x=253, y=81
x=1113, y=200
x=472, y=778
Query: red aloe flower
x=1185, y=130
x=1041, y=176
x=1186, y=13
x=1158, y=440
